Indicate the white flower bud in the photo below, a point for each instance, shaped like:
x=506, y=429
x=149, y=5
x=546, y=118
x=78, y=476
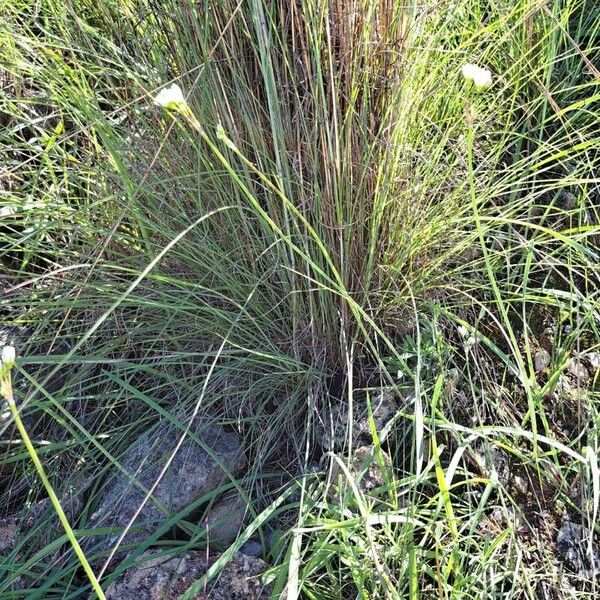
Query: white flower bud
x=481, y=78
x=8, y=356
x=171, y=97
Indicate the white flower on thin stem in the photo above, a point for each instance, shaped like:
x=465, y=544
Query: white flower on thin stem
x=480, y=77
x=469, y=340
x=171, y=97
x=7, y=358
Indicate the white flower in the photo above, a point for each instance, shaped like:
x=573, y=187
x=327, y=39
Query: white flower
x=481, y=78
x=7, y=358
x=468, y=340
x=463, y=331
x=170, y=97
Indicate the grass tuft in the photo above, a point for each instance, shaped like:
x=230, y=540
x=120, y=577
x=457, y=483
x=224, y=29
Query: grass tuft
x=334, y=212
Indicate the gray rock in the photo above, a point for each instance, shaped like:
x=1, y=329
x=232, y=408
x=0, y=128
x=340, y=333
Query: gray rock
x=9, y=529
x=274, y=539
x=11, y=336
x=367, y=468
x=572, y=545
x=192, y=473
x=252, y=548
x=226, y=519
x=541, y=360
x=567, y=201
x=593, y=361
x=578, y=372
x=159, y=577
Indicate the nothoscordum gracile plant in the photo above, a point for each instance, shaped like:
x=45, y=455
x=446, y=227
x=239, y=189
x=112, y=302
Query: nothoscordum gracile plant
x=7, y=362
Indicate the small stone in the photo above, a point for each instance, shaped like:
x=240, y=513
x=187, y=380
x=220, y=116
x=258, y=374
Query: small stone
x=578, y=372
x=572, y=544
x=593, y=361
x=367, y=468
x=274, y=538
x=252, y=548
x=225, y=520
x=567, y=201
x=8, y=534
x=519, y=484
x=541, y=360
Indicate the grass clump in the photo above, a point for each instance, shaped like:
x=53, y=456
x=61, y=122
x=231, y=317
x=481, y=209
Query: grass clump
x=334, y=212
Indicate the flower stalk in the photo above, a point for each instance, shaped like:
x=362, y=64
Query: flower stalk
x=7, y=362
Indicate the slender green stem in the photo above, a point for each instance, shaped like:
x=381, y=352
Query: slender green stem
x=492, y=277
x=7, y=393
